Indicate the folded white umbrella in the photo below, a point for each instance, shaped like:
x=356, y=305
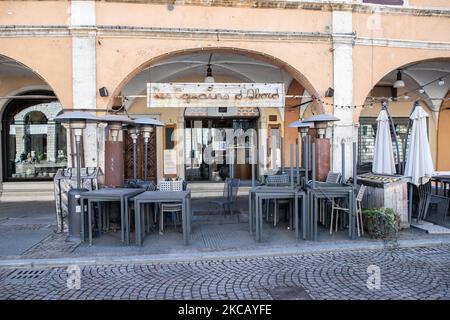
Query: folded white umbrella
x=383, y=157
x=419, y=164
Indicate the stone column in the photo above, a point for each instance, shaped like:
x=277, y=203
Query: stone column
x=343, y=39
x=20, y=135
x=51, y=141
x=82, y=25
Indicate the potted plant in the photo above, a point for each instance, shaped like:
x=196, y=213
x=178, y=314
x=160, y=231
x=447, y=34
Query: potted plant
x=381, y=223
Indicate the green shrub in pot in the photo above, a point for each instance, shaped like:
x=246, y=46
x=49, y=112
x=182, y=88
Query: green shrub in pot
x=381, y=223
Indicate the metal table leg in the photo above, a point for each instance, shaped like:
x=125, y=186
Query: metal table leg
x=82, y=212
x=260, y=219
x=296, y=220
x=184, y=217
x=315, y=213
x=256, y=217
x=127, y=220
x=90, y=221
x=250, y=213
x=304, y=216
x=137, y=218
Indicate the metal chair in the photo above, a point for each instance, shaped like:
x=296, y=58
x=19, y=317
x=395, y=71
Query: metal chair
x=278, y=180
x=359, y=221
x=428, y=201
x=174, y=208
x=332, y=177
x=230, y=191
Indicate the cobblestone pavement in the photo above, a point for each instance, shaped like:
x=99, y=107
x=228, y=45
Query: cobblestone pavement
x=416, y=273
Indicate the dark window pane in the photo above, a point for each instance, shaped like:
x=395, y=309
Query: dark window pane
x=170, y=141
x=34, y=146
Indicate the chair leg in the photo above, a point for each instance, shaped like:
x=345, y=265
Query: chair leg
x=174, y=218
x=331, y=221
x=357, y=223
x=275, y=212
x=161, y=222
x=360, y=217
x=337, y=218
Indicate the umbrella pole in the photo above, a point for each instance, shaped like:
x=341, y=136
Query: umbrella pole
x=410, y=203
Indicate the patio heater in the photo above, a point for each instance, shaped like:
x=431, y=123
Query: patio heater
x=322, y=149
x=76, y=123
x=146, y=125
x=134, y=132
x=303, y=128
x=114, y=161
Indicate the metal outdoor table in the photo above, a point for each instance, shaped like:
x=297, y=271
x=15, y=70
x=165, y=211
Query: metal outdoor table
x=164, y=197
x=108, y=195
x=324, y=190
x=260, y=193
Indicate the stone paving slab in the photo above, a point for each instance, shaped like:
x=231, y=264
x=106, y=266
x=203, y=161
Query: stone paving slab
x=431, y=228
x=414, y=273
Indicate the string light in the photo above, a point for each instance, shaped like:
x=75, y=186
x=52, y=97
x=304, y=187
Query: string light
x=373, y=100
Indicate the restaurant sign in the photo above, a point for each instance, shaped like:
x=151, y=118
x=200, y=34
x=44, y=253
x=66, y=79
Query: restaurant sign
x=195, y=95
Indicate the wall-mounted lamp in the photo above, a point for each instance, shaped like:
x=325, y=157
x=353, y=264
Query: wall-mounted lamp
x=103, y=92
x=329, y=93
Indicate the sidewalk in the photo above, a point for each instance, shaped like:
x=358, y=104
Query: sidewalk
x=27, y=238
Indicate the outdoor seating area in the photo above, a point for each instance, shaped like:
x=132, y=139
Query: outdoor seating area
x=304, y=200
x=293, y=202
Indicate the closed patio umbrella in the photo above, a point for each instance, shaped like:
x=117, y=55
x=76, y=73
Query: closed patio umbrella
x=419, y=164
x=383, y=158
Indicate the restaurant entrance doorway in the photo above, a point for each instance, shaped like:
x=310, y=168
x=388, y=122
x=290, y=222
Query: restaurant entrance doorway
x=210, y=155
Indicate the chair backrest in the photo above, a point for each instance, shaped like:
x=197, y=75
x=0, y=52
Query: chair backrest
x=231, y=188
x=171, y=185
x=234, y=185
x=361, y=191
x=277, y=180
x=333, y=177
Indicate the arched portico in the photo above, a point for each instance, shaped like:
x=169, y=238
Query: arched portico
x=228, y=65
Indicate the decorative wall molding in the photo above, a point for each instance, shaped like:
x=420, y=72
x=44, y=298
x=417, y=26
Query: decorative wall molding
x=401, y=43
x=136, y=32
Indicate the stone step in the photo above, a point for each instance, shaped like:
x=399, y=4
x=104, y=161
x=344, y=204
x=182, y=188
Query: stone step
x=27, y=191
x=27, y=186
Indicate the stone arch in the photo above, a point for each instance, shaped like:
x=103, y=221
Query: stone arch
x=50, y=110
x=390, y=65
x=42, y=69
x=258, y=55
x=443, y=152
